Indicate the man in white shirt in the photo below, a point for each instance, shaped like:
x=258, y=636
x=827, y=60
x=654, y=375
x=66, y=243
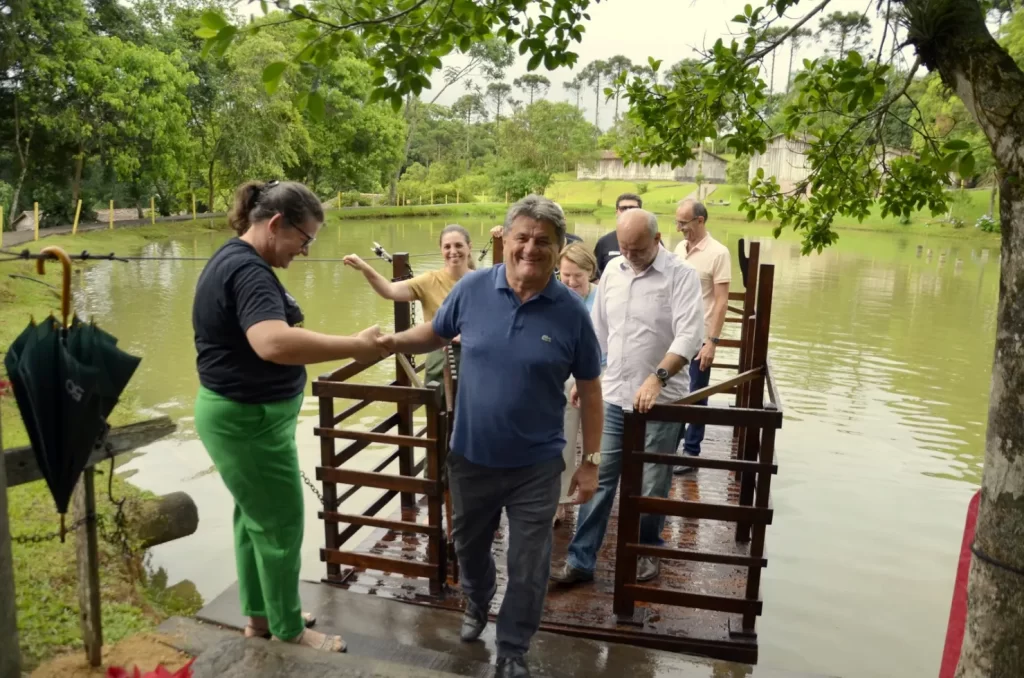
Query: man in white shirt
x=711, y=259
x=649, y=320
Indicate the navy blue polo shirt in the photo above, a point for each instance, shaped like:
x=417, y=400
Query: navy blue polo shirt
x=515, y=361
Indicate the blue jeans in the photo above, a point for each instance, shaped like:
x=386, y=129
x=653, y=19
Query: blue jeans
x=660, y=438
x=694, y=435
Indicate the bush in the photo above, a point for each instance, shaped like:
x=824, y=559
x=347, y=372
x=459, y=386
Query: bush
x=355, y=199
x=641, y=188
x=987, y=224
x=518, y=182
x=56, y=207
x=6, y=194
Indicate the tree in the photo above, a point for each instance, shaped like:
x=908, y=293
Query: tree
x=592, y=75
x=533, y=84
x=769, y=36
x=846, y=101
x=795, y=38
x=498, y=92
x=847, y=31
x=574, y=86
x=616, y=66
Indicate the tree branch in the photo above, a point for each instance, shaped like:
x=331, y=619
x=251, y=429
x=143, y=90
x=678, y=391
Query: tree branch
x=760, y=54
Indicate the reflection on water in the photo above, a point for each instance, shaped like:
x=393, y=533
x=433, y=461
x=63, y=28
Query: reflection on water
x=883, y=349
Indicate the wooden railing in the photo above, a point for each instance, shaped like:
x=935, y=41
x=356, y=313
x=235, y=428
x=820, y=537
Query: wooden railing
x=754, y=422
x=408, y=395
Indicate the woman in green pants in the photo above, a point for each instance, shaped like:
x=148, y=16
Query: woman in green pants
x=252, y=353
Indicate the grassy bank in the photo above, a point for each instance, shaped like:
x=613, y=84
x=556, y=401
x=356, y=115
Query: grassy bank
x=432, y=211
x=45, y=572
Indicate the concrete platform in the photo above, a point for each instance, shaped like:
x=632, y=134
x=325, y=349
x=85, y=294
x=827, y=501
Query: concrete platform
x=427, y=639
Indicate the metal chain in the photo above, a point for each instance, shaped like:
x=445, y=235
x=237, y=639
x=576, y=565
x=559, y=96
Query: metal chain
x=309, y=483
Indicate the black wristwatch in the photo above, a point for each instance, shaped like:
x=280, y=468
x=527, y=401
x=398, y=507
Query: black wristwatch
x=715, y=340
x=662, y=375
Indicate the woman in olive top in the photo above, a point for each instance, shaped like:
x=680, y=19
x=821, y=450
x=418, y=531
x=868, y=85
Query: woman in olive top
x=430, y=288
x=252, y=353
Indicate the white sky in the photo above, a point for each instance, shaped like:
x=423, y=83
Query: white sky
x=664, y=29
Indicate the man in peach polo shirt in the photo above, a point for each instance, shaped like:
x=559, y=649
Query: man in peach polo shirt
x=711, y=259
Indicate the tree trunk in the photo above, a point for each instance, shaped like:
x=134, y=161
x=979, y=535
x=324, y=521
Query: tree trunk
x=23, y=159
x=393, y=187
x=991, y=87
x=792, y=55
x=597, y=103
x=992, y=200
x=209, y=181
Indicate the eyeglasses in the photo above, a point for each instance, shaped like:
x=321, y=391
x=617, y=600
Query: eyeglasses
x=309, y=239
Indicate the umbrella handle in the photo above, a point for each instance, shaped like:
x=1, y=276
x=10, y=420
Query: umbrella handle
x=65, y=292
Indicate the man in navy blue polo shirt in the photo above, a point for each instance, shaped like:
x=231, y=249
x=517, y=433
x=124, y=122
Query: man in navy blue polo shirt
x=523, y=334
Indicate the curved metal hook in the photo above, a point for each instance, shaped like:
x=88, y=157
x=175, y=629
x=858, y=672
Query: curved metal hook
x=65, y=292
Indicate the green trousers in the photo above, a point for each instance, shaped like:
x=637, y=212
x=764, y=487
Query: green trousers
x=253, y=449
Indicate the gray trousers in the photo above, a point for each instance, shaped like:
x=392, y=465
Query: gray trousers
x=529, y=496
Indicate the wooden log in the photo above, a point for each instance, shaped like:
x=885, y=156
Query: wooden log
x=87, y=555
x=403, y=321
x=10, y=653
x=716, y=416
x=21, y=464
x=330, y=490
x=629, y=515
x=360, y=445
x=371, y=510
x=166, y=518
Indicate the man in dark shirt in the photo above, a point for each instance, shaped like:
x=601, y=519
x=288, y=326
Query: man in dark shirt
x=607, y=247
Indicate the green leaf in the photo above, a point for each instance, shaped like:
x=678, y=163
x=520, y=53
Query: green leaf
x=854, y=58
x=846, y=86
x=534, y=61
x=212, y=20
x=396, y=102
x=966, y=169
x=273, y=71
x=207, y=33
x=956, y=145
x=301, y=101
x=317, y=106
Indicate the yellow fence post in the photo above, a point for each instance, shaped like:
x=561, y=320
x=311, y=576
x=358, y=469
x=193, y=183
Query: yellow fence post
x=431, y=196
x=1, y=218
x=78, y=213
x=110, y=216
x=35, y=212
x=458, y=197
x=193, y=206
x=152, y=211
x=446, y=198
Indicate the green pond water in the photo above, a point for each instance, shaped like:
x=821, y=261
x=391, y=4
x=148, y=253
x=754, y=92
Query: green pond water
x=882, y=347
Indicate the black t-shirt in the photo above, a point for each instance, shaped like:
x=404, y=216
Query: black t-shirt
x=606, y=249
x=236, y=290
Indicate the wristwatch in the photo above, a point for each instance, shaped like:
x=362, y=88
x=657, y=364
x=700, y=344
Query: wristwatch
x=715, y=340
x=662, y=375
x=594, y=458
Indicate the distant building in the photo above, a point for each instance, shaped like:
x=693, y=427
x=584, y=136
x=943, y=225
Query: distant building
x=611, y=166
x=785, y=159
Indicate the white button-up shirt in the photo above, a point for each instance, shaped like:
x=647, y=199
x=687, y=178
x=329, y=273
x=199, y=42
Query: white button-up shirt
x=639, y=317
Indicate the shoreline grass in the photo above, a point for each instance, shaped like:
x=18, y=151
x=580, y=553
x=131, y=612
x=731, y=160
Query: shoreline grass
x=45, y=573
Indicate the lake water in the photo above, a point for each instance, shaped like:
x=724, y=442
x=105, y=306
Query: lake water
x=883, y=348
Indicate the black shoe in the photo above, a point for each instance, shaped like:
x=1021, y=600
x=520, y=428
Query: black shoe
x=571, y=575
x=473, y=623
x=683, y=470
x=511, y=667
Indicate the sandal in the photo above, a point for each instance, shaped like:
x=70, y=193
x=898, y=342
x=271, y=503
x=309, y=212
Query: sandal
x=319, y=641
x=262, y=631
